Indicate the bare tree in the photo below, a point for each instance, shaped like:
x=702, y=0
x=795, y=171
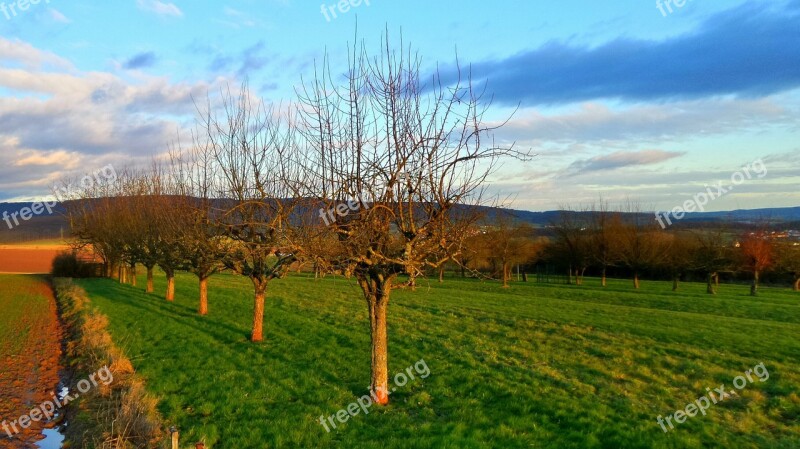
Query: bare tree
x=396, y=166
x=712, y=254
x=253, y=148
x=788, y=261
x=572, y=243
x=603, y=224
x=756, y=251
x=638, y=242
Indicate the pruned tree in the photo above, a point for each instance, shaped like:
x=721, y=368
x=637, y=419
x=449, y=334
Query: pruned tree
x=509, y=244
x=603, y=225
x=572, y=244
x=712, y=254
x=788, y=261
x=397, y=166
x=756, y=252
x=638, y=242
x=253, y=147
x=677, y=258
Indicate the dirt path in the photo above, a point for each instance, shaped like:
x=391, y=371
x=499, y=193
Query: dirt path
x=30, y=350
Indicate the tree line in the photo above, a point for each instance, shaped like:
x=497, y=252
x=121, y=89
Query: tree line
x=599, y=238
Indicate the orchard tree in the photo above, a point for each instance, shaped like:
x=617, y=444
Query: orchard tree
x=788, y=261
x=253, y=147
x=638, y=242
x=757, y=252
x=398, y=165
x=712, y=254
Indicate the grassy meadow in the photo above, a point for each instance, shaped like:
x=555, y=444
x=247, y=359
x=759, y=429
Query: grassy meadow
x=533, y=366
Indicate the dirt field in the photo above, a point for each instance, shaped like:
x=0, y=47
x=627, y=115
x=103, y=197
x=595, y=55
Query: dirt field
x=27, y=259
x=29, y=354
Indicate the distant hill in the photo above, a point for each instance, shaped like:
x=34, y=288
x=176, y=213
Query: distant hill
x=47, y=226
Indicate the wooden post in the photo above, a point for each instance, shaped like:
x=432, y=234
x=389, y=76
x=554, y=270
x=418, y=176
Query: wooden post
x=174, y=438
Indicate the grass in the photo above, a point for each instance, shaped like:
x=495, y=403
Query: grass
x=21, y=303
x=546, y=366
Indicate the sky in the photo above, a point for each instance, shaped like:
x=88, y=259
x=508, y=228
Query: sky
x=623, y=100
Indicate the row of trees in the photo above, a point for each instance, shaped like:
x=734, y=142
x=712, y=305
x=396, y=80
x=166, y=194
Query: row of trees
x=376, y=178
x=601, y=239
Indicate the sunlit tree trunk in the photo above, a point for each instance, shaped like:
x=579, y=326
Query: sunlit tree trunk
x=170, y=296
x=797, y=284
x=149, y=288
x=203, y=310
x=260, y=287
x=603, y=278
x=636, y=283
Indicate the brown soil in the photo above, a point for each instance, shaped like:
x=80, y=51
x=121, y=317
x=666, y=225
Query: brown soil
x=27, y=260
x=30, y=362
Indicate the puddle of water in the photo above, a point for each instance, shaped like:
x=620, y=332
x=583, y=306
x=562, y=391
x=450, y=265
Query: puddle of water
x=52, y=439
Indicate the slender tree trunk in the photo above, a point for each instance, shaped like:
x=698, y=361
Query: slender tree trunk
x=379, y=382
x=258, y=311
x=796, y=286
x=636, y=283
x=754, y=285
x=716, y=279
x=710, y=287
x=463, y=271
x=569, y=277
x=441, y=274
x=122, y=274
x=133, y=274
x=203, y=310
x=506, y=275
x=675, y=283
x=603, y=278
x=170, y=296
x=149, y=288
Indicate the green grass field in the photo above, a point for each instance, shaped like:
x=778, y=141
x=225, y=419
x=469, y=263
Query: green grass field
x=532, y=366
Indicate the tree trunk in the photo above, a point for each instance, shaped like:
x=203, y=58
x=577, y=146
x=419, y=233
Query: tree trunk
x=379, y=382
x=569, y=278
x=754, y=285
x=149, y=288
x=716, y=279
x=506, y=275
x=636, y=283
x=258, y=311
x=203, y=310
x=441, y=274
x=675, y=283
x=796, y=286
x=603, y=278
x=710, y=287
x=524, y=277
x=170, y=287
x=133, y=274
x=122, y=276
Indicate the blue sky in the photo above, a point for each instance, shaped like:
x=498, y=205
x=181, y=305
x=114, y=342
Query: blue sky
x=617, y=99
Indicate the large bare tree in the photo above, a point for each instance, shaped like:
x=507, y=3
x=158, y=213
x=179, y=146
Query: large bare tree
x=396, y=164
x=253, y=147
